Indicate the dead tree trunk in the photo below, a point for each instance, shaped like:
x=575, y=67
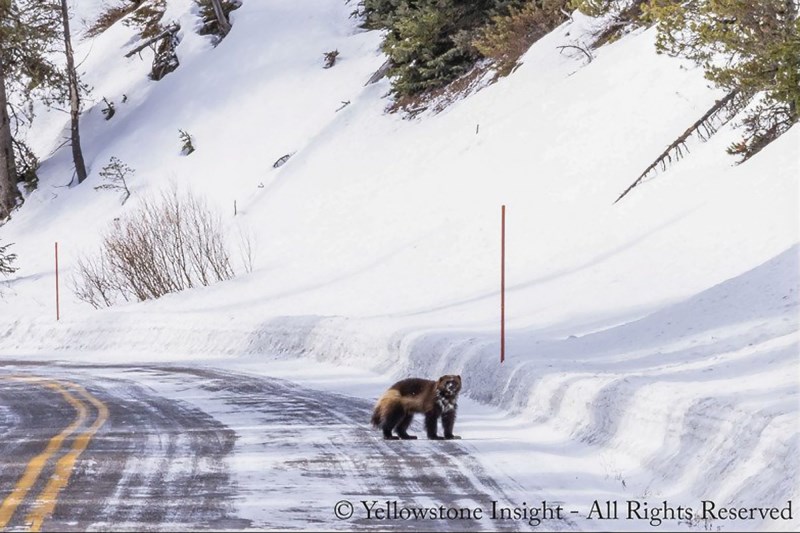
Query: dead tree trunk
x=169, y=30
x=8, y=169
x=222, y=20
x=165, y=58
x=380, y=73
x=74, y=98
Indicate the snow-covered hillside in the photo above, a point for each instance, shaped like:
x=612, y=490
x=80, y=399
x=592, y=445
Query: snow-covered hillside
x=655, y=339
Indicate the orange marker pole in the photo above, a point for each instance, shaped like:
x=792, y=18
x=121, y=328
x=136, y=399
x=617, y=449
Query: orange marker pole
x=503, y=283
x=58, y=311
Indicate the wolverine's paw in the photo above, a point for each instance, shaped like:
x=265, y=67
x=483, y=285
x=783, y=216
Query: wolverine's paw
x=408, y=437
x=390, y=437
x=434, y=437
x=451, y=437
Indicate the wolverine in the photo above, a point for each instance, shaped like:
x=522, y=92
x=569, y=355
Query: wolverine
x=436, y=399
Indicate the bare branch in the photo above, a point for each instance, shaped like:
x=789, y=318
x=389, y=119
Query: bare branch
x=576, y=47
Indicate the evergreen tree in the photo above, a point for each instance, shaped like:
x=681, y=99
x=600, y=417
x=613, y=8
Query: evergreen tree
x=748, y=46
x=28, y=32
x=422, y=49
x=429, y=42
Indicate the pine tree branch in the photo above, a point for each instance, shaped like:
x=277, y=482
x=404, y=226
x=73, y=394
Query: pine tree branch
x=679, y=145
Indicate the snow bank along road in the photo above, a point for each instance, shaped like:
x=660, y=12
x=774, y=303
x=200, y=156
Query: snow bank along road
x=164, y=447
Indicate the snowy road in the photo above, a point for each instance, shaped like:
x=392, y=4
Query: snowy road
x=158, y=447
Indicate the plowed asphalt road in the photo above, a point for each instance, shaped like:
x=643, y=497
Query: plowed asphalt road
x=164, y=447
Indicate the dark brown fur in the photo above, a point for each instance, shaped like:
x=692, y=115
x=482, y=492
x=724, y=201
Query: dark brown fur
x=436, y=399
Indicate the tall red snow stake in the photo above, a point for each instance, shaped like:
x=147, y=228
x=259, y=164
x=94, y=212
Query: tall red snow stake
x=503, y=283
x=58, y=311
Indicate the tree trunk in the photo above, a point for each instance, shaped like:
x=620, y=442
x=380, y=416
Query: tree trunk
x=74, y=98
x=8, y=170
x=224, y=25
x=791, y=18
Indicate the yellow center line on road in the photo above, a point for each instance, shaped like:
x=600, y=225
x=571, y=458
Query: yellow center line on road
x=35, y=466
x=46, y=501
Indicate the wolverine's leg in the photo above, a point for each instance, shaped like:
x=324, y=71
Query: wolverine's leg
x=394, y=416
x=431, y=420
x=402, y=427
x=448, y=421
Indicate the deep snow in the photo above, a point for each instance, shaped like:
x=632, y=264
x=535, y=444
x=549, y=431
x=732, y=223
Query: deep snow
x=654, y=341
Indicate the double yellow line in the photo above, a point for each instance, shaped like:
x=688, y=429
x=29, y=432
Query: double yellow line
x=45, y=503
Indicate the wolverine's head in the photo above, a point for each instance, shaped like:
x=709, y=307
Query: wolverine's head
x=449, y=385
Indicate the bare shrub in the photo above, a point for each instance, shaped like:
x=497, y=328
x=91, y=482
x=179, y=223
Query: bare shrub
x=93, y=282
x=169, y=243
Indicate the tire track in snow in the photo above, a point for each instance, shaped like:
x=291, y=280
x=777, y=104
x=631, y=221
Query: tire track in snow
x=174, y=472
x=348, y=451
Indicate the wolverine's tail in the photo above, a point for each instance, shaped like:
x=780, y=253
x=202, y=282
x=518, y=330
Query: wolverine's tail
x=380, y=408
x=384, y=405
